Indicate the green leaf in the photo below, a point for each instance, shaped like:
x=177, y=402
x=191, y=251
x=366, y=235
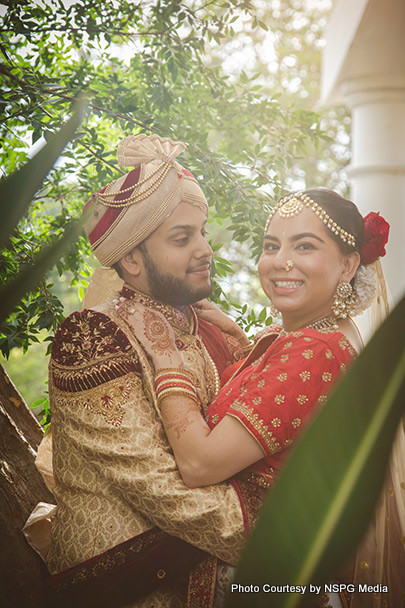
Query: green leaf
x=44, y=319
x=18, y=189
x=262, y=315
x=321, y=504
x=37, y=402
x=26, y=280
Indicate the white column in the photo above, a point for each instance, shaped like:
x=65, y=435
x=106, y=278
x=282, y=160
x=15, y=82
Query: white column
x=377, y=170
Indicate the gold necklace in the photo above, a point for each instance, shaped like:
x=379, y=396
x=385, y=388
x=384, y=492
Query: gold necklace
x=325, y=324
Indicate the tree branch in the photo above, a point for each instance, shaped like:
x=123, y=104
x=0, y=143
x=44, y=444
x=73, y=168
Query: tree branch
x=77, y=30
x=79, y=141
x=200, y=8
x=7, y=71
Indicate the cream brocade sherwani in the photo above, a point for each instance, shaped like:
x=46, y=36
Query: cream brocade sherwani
x=115, y=473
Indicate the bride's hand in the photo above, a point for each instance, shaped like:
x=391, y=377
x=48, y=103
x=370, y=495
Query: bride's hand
x=210, y=312
x=153, y=332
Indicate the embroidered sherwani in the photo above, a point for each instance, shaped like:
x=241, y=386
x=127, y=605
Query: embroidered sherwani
x=115, y=473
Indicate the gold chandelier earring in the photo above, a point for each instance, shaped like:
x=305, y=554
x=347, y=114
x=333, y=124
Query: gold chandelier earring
x=273, y=310
x=343, y=304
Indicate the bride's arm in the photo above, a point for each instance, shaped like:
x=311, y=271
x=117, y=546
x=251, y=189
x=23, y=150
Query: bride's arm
x=206, y=456
x=203, y=456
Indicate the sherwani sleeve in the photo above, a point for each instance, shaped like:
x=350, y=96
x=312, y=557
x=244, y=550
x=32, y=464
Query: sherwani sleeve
x=110, y=444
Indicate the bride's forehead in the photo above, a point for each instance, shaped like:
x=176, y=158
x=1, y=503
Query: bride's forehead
x=305, y=221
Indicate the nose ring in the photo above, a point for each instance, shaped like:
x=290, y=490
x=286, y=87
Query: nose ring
x=288, y=265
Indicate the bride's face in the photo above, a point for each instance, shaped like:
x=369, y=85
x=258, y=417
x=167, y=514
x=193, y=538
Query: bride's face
x=304, y=293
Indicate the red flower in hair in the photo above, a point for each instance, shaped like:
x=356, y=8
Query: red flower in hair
x=375, y=237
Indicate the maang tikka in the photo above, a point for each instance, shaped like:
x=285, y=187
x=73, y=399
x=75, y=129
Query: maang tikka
x=294, y=203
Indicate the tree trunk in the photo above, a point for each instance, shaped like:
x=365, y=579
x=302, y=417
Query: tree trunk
x=21, y=487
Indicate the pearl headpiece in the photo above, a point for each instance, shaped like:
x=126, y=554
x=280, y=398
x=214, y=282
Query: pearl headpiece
x=134, y=150
x=294, y=203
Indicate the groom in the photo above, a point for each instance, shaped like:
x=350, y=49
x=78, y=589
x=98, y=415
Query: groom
x=123, y=509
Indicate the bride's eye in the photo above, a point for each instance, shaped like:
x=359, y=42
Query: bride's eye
x=305, y=246
x=268, y=246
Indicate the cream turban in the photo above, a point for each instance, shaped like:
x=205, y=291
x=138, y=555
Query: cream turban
x=128, y=210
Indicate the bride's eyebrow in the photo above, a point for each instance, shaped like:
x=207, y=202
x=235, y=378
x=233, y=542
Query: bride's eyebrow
x=306, y=235
x=295, y=237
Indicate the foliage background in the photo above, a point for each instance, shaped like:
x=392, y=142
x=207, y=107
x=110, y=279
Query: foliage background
x=238, y=80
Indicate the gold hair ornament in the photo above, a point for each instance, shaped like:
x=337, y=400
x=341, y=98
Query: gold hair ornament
x=294, y=203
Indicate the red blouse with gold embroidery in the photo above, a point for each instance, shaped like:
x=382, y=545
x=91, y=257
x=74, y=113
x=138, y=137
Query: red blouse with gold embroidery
x=275, y=392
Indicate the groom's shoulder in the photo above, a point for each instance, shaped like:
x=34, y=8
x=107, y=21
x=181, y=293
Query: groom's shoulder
x=86, y=335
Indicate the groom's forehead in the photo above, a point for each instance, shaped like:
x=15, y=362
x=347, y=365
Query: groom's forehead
x=185, y=217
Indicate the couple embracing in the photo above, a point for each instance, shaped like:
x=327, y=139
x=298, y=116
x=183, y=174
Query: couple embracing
x=168, y=426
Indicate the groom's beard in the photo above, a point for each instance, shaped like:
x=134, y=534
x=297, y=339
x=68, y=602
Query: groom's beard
x=170, y=289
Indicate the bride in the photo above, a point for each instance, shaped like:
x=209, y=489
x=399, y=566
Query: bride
x=317, y=268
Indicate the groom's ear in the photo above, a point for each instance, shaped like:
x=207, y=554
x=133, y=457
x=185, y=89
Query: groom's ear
x=132, y=263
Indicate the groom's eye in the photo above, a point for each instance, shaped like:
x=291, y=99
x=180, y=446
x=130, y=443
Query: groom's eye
x=181, y=240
